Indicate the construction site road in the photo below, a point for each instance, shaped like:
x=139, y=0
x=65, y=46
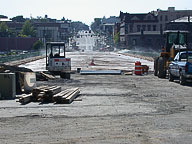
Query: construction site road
x=117, y=109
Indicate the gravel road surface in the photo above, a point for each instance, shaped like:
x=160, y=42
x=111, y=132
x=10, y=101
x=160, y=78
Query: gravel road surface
x=115, y=109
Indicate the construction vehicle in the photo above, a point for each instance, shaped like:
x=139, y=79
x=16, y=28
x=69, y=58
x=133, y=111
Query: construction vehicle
x=56, y=61
x=176, y=41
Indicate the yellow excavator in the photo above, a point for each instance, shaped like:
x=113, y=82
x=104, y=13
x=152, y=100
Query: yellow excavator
x=176, y=41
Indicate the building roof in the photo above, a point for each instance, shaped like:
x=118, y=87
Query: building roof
x=138, y=17
x=111, y=20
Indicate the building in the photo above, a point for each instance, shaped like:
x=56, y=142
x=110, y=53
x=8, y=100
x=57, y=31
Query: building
x=108, y=28
x=46, y=30
x=166, y=16
x=134, y=23
x=145, y=40
x=108, y=24
x=151, y=22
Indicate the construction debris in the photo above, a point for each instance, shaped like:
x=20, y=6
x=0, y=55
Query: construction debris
x=48, y=94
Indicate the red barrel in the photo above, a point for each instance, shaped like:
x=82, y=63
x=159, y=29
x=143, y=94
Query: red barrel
x=138, y=68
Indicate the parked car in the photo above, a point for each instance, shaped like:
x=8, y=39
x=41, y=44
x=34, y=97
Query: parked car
x=181, y=67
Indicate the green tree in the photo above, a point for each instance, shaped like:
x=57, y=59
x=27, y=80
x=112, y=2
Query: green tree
x=117, y=38
x=2, y=16
x=95, y=26
x=4, y=29
x=37, y=45
x=18, y=19
x=28, y=29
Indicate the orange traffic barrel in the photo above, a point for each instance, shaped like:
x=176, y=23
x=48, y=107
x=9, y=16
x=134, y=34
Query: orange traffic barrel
x=138, y=68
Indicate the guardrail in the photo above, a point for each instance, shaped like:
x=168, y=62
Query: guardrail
x=21, y=56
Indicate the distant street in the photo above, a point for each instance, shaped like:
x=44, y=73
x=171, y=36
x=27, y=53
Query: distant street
x=102, y=60
x=86, y=40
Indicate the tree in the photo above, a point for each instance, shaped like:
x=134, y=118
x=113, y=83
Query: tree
x=117, y=38
x=28, y=29
x=18, y=19
x=95, y=26
x=37, y=45
x=2, y=16
x=3, y=29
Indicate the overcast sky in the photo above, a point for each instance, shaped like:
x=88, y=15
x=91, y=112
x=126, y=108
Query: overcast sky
x=85, y=10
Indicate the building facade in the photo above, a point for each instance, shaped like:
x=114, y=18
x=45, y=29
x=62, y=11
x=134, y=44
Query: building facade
x=151, y=22
x=134, y=23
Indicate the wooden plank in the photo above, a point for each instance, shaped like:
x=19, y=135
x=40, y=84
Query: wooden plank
x=48, y=76
x=24, y=99
x=47, y=94
x=58, y=97
x=69, y=97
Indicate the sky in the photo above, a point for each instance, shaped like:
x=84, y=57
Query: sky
x=85, y=10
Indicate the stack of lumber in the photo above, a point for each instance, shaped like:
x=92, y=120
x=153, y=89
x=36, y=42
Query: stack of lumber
x=66, y=96
x=45, y=93
x=48, y=94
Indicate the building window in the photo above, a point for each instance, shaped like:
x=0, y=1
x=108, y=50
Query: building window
x=131, y=28
x=161, y=27
x=149, y=27
x=138, y=28
x=143, y=27
x=154, y=27
x=126, y=29
x=166, y=18
x=161, y=18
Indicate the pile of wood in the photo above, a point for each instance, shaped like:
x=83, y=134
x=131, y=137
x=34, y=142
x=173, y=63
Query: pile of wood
x=49, y=94
x=45, y=93
x=66, y=96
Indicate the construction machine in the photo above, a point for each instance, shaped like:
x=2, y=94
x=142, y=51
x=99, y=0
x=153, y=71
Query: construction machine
x=56, y=61
x=176, y=41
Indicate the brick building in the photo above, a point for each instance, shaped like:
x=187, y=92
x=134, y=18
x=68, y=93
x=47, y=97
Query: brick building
x=155, y=21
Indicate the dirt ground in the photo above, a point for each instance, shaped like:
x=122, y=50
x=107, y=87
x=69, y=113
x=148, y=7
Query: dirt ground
x=111, y=109
x=115, y=109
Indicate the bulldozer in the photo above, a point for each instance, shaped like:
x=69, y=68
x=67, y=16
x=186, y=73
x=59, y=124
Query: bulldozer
x=175, y=41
